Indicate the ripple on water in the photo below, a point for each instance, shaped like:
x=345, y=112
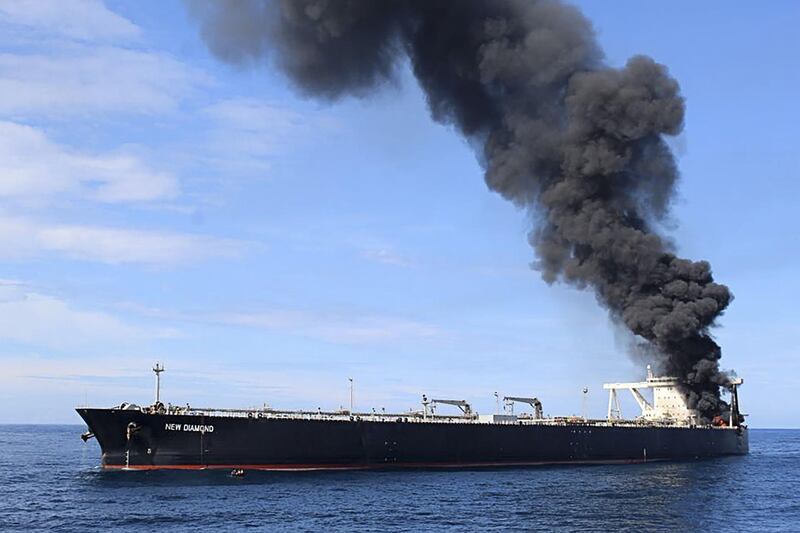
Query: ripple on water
x=49, y=480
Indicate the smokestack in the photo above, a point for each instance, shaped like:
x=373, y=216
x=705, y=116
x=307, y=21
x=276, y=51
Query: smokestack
x=557, y=131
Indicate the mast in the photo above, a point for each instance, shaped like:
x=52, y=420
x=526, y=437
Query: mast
x=735, y=414
x=583, y=403
x=351, y=395
x=158, y=370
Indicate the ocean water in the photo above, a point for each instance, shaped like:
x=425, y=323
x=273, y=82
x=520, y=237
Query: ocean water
x=50, y=481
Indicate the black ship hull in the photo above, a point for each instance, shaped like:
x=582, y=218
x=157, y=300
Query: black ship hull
x=132, y=439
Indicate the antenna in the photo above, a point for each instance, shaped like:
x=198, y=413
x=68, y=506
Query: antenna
x=158, y=370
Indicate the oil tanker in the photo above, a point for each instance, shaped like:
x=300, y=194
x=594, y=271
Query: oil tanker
x=163, y=436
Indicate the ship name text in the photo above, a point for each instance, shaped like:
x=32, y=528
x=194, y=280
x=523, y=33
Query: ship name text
x=202, y=428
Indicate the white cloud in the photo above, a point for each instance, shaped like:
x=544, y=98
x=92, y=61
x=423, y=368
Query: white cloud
x=261, y=128
x=337, y=329
x=84, y=79
x=23, y=238
x=385, y=256
x=27, y=316
x=344, y=328
x=74, y=19
x=34, y=167
x=244, y=132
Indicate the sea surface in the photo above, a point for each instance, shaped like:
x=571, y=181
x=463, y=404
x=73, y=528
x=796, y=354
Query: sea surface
x=50, y=481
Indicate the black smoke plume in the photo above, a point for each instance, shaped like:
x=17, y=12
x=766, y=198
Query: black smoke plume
x=556, y=130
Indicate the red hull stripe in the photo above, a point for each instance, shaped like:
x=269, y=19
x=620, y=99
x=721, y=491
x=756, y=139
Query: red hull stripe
x=375, y=466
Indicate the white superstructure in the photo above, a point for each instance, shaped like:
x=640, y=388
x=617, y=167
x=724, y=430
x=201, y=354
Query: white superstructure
x=668, y=403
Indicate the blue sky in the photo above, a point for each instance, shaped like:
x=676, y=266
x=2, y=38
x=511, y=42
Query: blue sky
x=158, y=205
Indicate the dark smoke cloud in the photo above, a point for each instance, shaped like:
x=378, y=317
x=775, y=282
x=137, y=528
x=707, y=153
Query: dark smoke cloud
x=579, y=143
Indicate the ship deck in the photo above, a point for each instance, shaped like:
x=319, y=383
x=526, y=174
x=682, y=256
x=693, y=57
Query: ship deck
x=413, y=417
